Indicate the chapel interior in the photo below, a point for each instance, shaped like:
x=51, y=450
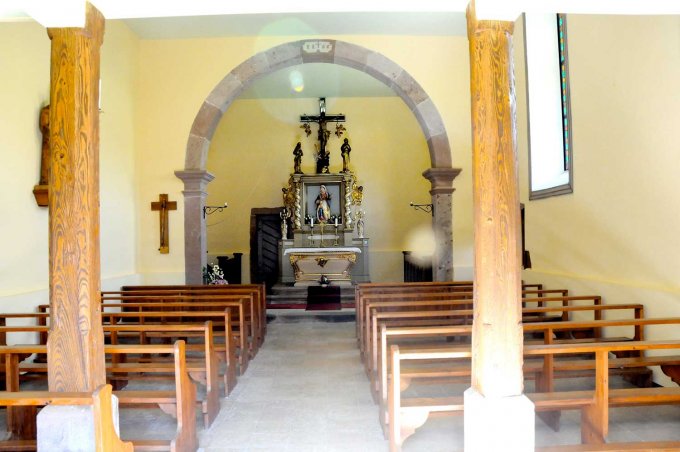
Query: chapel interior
x=189, y=108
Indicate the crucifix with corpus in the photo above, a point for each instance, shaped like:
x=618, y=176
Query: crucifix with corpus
x=323, y=156
x=163, y=206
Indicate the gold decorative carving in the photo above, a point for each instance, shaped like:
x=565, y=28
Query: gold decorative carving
x=357, y=193
x=308, y=266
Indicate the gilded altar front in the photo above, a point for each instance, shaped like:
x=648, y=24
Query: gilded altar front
x=311, y=264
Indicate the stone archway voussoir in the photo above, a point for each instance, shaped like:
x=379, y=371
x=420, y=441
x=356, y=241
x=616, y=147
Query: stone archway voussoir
x=284, y=56
x=229, y=88
x=197, y=153
x=252, y=69
x=409, y=90
x=382, y=68
x=440, y=151
x=429, y=119
x=350, y=55
x=206, y=120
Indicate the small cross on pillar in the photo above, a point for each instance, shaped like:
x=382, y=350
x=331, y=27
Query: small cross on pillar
x=163, y=206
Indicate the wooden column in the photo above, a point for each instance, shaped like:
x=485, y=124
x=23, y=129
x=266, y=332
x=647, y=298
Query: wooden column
x=76, y=341
x=497, y=329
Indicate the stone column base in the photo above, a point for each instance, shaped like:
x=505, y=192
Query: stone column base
x=505, y=424
x=70, y=428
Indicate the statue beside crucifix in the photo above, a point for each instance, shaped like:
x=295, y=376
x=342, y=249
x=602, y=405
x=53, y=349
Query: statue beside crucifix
x=322, y=119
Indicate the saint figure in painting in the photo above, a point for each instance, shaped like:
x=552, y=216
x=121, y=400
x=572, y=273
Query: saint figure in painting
x=323, y=205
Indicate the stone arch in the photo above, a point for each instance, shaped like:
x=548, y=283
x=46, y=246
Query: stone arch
x=196, y=177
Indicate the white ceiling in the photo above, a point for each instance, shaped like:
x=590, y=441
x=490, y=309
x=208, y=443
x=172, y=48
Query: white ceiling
x=320, y=80
x=403, y=17
x=301, y=24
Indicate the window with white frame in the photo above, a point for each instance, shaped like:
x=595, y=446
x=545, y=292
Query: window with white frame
x=548, y=105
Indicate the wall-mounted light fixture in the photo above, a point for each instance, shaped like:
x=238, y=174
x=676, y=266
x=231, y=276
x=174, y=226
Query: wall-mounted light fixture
x=429, y=208
x=209, y=210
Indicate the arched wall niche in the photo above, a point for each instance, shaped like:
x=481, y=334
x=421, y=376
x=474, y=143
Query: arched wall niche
x=196, y=177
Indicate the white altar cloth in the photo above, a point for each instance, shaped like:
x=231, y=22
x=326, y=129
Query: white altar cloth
x=334, y=249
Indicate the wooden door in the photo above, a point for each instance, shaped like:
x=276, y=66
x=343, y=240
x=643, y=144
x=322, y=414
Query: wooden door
x=265, y=233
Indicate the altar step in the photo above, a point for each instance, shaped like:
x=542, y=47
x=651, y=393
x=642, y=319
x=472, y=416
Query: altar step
x=282, y=296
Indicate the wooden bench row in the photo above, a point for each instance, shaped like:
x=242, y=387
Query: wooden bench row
x=406, y=415
x=21, y=412
x=390, y=333
x=163, y=312
x=390, y=315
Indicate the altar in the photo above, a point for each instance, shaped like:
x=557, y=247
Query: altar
x=311, y=264
x=323, y=244
x=322, y=222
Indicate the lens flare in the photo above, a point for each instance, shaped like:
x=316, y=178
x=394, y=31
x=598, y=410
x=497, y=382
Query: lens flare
x=297, y=81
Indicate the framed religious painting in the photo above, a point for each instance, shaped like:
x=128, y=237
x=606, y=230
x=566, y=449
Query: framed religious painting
x=323, y=199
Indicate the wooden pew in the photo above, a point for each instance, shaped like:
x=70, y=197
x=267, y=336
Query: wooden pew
x=208, y=348
x=406, y=415
x=365, y=289
x=397, y=289
x=541, y=298
x=259, y=291
x=544, y=373
x=373, y=313
x=547, y=329
x=183, y=397
x=226, y=351
x=105, y=437
x=170, y=317
x=387, y=333
x=247, y=315
x=204, y=371
x=150, y=310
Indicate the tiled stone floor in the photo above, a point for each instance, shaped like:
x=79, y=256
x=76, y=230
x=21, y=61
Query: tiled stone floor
x=307, y=391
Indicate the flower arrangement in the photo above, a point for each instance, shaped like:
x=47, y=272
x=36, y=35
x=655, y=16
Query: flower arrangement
x=213, y=274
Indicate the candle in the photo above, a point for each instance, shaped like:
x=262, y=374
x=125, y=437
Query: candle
x=312, y=221
x=336, y=222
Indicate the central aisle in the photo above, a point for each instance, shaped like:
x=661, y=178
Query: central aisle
x=306, y=390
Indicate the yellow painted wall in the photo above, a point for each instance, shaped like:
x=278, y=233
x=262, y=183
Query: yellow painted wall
x=251, y=157
x=177, y=75
x=24, y=89
x=617, y=234
x=25, y=75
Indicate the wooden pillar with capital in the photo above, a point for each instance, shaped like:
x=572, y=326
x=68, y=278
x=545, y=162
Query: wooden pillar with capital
x=495, y=400
x=75, y=344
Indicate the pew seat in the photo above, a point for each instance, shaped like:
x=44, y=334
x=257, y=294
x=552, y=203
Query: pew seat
x=105, y=437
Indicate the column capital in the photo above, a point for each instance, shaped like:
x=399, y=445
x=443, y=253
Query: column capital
x=93, y=29
x=441, y=179
x=194, y=180
x=475, y=26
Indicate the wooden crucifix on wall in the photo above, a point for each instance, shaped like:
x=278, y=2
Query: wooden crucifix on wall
x=163, y=206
